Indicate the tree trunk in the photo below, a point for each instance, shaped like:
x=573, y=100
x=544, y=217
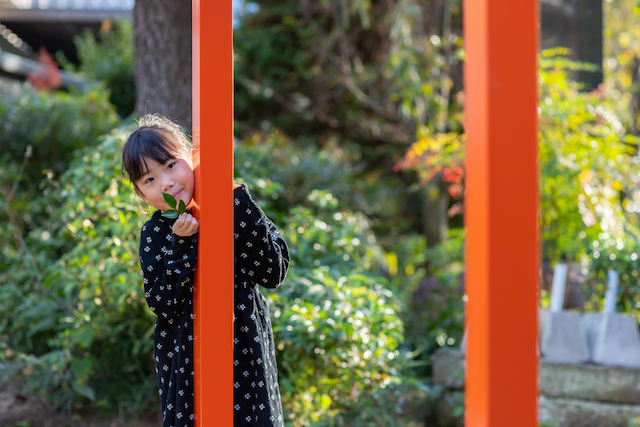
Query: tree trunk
x=435, y=220
x=162, y=35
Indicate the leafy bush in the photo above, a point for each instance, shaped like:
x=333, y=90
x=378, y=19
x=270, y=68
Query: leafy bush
x=436, y=310
x=338, y=338
x=81, y=332
x=108, y=59
x=81, y=335
x=587, y=164
x=622, y=256
x=336, y=323
x=40, y=133
x=589, y=183
x=55, y=125
x=287, y=173
x=429, y=286
x=588, y=172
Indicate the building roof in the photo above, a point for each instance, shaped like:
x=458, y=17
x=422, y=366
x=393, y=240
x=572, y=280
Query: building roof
x=67, y=4
x=28, y=25
x=80, y=11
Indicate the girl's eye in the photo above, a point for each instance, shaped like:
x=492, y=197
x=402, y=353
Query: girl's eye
x=171, y=165
x=148, y=180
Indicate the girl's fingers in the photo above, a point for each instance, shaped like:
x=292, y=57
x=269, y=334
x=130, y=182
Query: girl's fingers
x=193, y=226
x=185, y=225
x=190, y=231
x=179, y=225
x=190, y=226
x=184, y=219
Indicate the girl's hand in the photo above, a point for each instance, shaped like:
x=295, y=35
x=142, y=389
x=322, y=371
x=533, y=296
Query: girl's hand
x=185, y=225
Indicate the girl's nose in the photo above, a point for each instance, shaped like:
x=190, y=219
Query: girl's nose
x=167, y=184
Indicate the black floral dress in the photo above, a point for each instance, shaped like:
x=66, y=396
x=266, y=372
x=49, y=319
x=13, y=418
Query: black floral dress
x=261, y=258
x=168, y=261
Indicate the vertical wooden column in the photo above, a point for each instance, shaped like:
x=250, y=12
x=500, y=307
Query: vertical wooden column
x=213, y=160
x=501, y=212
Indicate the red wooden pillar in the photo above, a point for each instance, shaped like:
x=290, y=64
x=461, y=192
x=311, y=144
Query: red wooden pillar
x=502, y=204
x=213, y=159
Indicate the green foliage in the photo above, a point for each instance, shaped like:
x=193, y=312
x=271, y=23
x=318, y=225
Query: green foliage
x=621, y=45
x=435, y=310
x=358, y=71
x=421, y=65
x=337, y=326
x=620, y=255
x=377, y=75
x=55, y=125
x=43, y=333
x=108, y=59
x=586, y=160
x=81, y=332
x=338, y=339
x=587, y=163
x=287, y=173
x=178, y=209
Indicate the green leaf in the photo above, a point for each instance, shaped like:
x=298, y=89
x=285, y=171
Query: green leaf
x=84, y=390
x=81, y=368
x=83, y=336
x=182, y=208
x=325, y=401
x=170, y=200
x=171, y=214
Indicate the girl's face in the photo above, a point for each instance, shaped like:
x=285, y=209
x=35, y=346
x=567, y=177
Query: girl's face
x=175, y=177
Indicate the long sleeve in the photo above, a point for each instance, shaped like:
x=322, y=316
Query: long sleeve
x=260, y=251
x=168, y=262
x=261, y=257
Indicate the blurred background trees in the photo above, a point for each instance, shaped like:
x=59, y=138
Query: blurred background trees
x=374, y=74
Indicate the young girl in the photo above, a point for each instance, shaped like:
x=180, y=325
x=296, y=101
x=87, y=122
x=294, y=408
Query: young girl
x=157, y=159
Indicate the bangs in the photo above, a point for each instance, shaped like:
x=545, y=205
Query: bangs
x=150, y=143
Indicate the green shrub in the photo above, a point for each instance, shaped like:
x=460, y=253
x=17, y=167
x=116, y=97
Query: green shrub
x=336, y=323
x=109, y=59
x=81, y=332
x=55, y=125
x=588, y=166
x=287, y=173
x=622, y=256
x=82, y=336
x=338, y=348
x=436, y=316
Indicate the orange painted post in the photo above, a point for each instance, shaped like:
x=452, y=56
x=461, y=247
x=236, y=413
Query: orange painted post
x=213, y=159
x=501, y=212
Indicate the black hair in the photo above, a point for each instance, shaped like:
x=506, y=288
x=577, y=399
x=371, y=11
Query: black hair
x=156, y=138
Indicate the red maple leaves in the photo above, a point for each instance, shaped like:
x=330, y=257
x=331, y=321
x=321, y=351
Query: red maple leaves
x=48, y=76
